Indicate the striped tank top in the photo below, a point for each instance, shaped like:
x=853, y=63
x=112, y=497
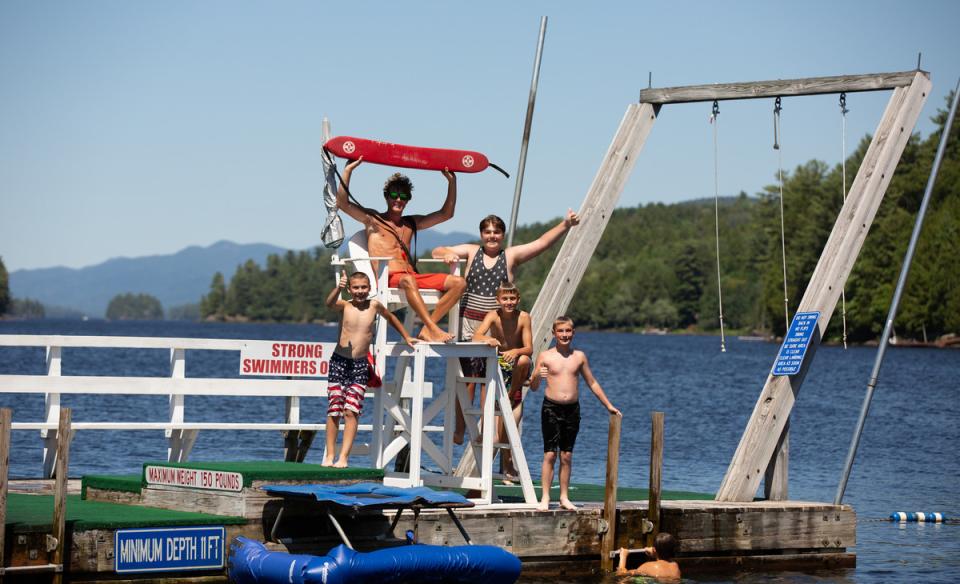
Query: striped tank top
x=481, y=294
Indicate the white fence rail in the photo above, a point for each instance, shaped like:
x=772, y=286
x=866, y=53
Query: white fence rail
x=180, y=434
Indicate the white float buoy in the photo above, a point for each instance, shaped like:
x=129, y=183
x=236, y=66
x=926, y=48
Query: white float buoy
x=918, y=517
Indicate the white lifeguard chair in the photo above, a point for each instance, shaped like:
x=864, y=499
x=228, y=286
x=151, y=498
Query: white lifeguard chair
x=402, y=414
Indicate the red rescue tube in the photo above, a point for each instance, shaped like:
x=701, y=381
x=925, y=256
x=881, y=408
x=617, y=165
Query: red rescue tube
x=405, y=156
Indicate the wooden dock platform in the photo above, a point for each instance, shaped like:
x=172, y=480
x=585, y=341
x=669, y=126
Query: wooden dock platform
x=768, y=535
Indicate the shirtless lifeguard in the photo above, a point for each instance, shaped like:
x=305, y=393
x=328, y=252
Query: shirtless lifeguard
x=562, y=366
x=389, y=234
x=349, y=372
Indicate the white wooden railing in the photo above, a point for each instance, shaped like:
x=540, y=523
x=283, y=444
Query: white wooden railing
x=181, y=435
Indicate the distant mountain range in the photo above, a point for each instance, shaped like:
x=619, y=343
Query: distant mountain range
x=174, y=279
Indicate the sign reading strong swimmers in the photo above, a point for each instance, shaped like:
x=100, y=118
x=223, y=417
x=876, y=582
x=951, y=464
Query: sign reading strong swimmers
x=287, y=358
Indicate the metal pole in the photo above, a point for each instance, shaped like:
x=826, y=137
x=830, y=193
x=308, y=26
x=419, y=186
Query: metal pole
x=894, y=304
x=526, y=132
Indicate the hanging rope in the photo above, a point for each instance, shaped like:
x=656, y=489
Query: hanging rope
x=716, y=213
x=843, y=172
x=783, y=244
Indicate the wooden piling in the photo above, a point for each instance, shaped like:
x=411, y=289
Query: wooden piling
x=656, y=466
x=610, y=493
x=6, y=415
x=60, y=493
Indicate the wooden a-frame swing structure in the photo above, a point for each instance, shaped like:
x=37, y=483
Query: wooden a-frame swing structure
x=762, y=453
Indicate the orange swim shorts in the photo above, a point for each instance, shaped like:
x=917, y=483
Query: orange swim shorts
x=428, y=281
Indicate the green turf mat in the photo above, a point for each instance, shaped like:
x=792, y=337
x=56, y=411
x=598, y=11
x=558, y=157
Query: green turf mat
x=276, y=470
x=130, y=483
x=35, y=513
x=594, y=493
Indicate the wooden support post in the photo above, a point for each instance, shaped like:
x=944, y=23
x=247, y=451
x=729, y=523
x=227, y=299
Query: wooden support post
x=775, y=479
x=610, y=493
x=580, y=243
x=296, y=444
x=291, y=442
x=656, y=468
x=60, y=493
x=6, y=417
x=769, y=418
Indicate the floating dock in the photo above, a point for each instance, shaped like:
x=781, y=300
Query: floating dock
x=104, y=512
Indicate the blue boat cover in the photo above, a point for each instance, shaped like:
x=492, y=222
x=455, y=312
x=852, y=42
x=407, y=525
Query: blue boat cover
x=371, y=495
x=251, y=563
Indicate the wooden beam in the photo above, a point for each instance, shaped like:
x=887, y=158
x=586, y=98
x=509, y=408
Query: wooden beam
x=61, y=464
x=772, y=411
x=656, y=471
x=775, y=483
x=779, y=87
x=610, y=493
x=580, y=243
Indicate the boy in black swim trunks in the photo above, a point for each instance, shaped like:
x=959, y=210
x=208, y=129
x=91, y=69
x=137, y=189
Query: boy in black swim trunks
x=562, y=367
x=508, y=329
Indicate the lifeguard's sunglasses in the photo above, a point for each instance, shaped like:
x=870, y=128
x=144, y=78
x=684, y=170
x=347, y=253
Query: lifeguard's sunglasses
x=401, y=196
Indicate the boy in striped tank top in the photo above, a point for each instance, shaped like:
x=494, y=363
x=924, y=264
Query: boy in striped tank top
x=488, y=266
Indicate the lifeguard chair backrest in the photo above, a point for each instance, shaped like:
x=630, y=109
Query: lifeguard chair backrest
x=357, y=248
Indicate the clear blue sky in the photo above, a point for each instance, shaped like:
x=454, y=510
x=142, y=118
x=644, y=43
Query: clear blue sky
x=139, y=128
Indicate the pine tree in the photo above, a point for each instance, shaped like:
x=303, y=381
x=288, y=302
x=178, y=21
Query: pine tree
x=4, y=289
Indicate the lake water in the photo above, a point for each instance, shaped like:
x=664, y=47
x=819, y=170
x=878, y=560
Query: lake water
x=908, y=458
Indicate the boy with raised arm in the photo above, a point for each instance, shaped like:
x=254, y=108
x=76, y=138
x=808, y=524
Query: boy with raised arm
x=488, y=265
x=562, y=366
x=508, y=329
x=389, y=235
x=349, y=373
x=661, y=565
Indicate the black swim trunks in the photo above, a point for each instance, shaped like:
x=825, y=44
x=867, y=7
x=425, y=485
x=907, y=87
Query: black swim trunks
x=560, y=424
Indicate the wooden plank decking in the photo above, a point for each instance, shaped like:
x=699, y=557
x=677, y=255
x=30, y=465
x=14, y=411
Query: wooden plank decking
x=714, y=535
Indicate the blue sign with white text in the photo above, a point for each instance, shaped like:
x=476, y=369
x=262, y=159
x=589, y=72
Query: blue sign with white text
x=795, y=344
x=171, y=549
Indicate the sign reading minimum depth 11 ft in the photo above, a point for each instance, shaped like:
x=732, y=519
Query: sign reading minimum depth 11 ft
x=795, y=343
x=167, y=550
x=288, y=358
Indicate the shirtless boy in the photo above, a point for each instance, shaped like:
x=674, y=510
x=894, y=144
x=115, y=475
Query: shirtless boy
x=562, y=366
x=389, y=235
x=661, y=566
x=349, y=374
x=508, y=329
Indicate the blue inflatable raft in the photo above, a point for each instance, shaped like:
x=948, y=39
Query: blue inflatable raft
x=251, y=563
